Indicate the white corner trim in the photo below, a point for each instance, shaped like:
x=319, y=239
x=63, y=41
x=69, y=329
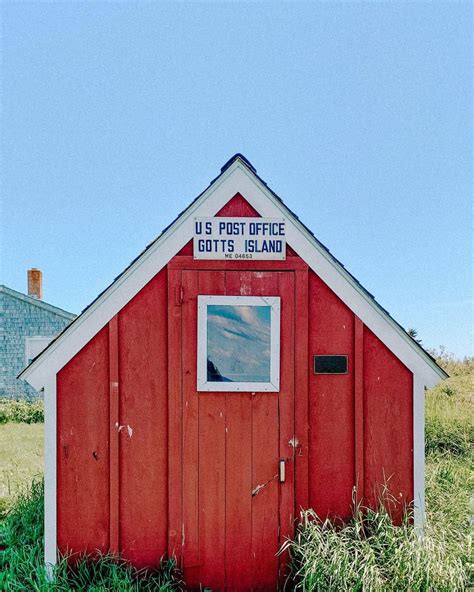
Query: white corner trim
x=236, y=179
x=50, y=515
x=419, y=454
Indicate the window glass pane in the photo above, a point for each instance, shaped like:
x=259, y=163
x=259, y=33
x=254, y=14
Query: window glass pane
x=238, y=343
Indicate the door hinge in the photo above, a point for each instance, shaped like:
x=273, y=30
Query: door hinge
x=179, y=295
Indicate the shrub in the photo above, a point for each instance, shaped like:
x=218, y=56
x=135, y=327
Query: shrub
x=21, y=560
x=21, y=411
x=453, y=366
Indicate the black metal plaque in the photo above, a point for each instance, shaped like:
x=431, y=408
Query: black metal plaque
x=330, y=364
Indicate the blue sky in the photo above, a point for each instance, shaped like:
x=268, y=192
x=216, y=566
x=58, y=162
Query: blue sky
x=116, y=115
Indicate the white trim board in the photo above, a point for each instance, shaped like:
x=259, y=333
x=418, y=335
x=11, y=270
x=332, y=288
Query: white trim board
x=50, y=476
x=419, y=454
x=237, y=178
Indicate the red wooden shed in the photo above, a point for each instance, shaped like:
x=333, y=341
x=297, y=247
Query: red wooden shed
x=233, y=374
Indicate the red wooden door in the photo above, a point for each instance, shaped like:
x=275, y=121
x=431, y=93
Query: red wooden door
x=234, y=512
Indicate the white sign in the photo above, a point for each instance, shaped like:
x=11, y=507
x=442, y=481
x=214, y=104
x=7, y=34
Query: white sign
x=239, y=238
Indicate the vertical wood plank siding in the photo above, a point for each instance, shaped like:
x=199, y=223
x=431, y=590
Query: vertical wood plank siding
x=114, y=405
x=143, y=424
x=175, y=411
x=83, y=449
x=286, y=413
x=265, y=453
x=331, y=408
x=147, y=466
x=302, y=372
x=189, y=460
x=388, y=425
x=239, y=468
x=359, y=407
x=210, y=434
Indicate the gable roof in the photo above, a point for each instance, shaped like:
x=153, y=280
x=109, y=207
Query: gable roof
x=236, y=176
x=36, y=302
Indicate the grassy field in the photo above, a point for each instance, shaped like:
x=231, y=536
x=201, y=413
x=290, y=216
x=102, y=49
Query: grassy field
x=21, y=458
x=368, y=554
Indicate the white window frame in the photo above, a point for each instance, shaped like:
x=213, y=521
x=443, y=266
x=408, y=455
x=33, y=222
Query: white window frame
x=202, y=382
x=30, y=343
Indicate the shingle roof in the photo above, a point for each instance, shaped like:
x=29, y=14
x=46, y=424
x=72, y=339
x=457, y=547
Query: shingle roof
x=35, y=302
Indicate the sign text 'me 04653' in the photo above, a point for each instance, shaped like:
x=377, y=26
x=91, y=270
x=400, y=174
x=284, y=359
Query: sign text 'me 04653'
x=239, y=238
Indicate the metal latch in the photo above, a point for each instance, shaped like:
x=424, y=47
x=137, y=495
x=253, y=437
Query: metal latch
x=282, y=470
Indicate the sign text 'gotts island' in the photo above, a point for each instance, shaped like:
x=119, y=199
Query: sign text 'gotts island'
x=239, y=238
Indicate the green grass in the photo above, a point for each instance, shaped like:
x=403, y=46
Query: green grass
x=21, y=458
x=449, y=420
x=366, y=554
x=21, y=561
x=370, y=553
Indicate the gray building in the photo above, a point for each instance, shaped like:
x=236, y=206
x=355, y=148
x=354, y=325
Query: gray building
x=27, y=325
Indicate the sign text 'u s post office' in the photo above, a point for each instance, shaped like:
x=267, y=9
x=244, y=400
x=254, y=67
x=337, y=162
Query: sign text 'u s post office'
x=239, y=238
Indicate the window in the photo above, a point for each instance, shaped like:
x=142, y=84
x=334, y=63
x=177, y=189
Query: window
x=34, y=346
x=238, y=343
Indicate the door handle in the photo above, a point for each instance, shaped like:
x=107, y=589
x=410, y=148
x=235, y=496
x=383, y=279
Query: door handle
x=282, y=470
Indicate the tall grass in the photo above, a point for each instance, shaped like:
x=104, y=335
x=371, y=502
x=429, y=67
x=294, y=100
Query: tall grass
x=369, y=553
x=22, y=559
x=449, y=423
x=449, y=490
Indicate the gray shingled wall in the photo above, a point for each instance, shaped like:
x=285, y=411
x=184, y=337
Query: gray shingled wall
x=19, y=318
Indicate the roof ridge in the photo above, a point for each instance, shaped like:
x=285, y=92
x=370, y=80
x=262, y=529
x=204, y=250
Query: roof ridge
x=35, y=301
x=238, y=156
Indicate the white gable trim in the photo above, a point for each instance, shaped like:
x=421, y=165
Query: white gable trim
x=238, y=178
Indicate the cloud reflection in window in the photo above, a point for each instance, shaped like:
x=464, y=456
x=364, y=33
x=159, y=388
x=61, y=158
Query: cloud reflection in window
x=238, y=343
